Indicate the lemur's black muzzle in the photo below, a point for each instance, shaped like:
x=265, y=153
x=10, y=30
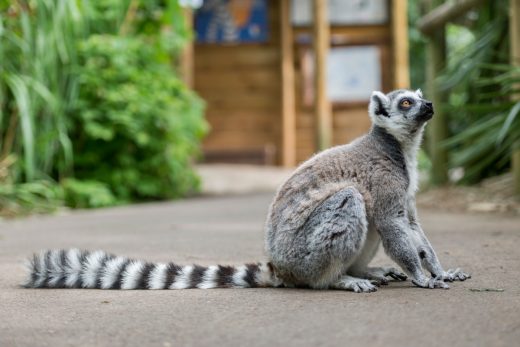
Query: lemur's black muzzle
x=426, y=111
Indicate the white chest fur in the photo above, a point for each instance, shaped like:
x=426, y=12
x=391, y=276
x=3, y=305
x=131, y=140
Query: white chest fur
x=411, y=167
x=410, y=150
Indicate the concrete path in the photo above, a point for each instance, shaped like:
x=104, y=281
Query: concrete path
x=229, y=230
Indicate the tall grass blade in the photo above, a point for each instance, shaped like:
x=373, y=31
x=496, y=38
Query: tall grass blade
x=23, y=103
x=506, y=128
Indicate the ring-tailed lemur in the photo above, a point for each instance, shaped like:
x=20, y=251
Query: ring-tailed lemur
x=323, y=227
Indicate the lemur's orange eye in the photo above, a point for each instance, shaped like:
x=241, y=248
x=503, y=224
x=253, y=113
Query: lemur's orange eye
x=406, y=103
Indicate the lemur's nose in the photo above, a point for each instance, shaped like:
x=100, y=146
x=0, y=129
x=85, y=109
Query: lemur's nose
x=428, y=105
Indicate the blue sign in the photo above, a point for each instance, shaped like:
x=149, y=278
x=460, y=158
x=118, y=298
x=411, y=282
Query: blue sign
x=232, y=21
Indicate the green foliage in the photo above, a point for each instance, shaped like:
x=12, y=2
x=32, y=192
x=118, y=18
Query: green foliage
x=424, y=163
x=85, y=194
x=88, y=101
x=41, y=196
x=484, y=148
x=37, y=86
x=130, y=132
x=480, y=85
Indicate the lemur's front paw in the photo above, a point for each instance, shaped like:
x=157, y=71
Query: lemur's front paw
x=435, y=282
x=455, y=275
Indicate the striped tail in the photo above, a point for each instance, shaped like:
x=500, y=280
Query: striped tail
x=83, y=269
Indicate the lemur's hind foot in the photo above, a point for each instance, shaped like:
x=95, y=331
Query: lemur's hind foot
x=381, y=275
x=358, y=285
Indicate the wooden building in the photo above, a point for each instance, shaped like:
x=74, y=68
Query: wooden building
x=268, y=102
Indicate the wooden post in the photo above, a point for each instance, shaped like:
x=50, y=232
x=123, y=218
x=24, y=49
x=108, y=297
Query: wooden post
x=186, y=58
x=438, y=127
x=514, y=36
x=321, y=42
x=400, y=44
x=288, y=93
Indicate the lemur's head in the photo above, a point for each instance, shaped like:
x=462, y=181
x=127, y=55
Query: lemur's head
x=402, y=113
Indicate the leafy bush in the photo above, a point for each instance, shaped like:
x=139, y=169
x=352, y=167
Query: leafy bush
x=90, y=106
x=41, y=196
x=480, y=84
x=484, y=148
x=136, y=126
x=84, y=194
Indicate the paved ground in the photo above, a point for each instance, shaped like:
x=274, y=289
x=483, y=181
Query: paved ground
x=228, y=179
x=229, y=230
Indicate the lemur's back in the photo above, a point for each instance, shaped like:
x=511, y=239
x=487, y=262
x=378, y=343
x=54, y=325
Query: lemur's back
x=355, y=164
x=312, y=181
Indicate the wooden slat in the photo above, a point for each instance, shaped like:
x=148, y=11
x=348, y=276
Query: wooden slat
x=235, y=57
x=351, y=118
x=261, y=78
x=237, y=113
x=288, y=92
x=234, y=139
x=349, y=125
x=243, y=101
x=226, y=93
x=255, y=123
x=321, y=42
x=401, y=69
x=353, y=34
x=264, y=155
x=187, y=57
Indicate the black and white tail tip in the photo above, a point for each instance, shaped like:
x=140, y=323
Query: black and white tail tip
x=83, y=269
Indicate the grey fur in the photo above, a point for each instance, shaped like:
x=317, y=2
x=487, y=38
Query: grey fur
x=327, y=220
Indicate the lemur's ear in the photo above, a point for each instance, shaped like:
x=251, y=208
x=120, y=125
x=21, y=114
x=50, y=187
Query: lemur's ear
x=379, y=104
x=419, y=93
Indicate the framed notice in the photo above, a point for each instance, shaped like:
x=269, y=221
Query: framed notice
x=343, y=12
x=232, y=21
x=353, y=73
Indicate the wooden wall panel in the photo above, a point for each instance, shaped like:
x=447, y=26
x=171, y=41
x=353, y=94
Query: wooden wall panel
x=241, y=87
x=349, y=124
x=349, y=120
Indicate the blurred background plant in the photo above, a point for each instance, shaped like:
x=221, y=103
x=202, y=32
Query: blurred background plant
x=479, y=81
x=92, y=112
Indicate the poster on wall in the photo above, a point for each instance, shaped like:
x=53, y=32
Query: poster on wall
x=232, y=21
x=341, y=12
x=352, y=74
